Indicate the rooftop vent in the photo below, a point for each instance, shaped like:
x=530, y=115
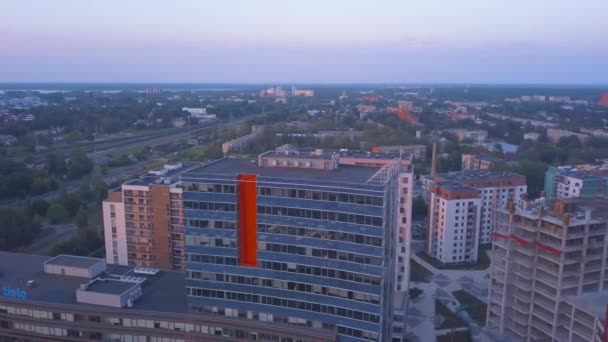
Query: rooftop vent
x=146, y=270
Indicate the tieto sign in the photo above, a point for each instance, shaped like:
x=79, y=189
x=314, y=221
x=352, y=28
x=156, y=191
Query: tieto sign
x=11, y=292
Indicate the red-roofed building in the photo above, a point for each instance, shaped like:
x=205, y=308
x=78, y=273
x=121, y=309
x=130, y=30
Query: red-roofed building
x=604, y=100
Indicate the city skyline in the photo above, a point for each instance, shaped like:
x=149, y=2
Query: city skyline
x=283, y=42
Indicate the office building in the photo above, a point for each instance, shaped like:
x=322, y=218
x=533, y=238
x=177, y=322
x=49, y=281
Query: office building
x=548, y=276
x=301, y=238
x=311, y=238
x=447, y=217
x=71, y=298
x=576, y=180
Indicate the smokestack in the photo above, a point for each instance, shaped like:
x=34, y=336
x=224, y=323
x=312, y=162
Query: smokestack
x=434, y=160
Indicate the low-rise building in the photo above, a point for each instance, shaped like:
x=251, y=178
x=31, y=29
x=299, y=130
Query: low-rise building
x=532, y=136
x=72, y=298
x=477, y=136
x=554, y=134
x=478, y=161
x=576, y=180
x=417, y=151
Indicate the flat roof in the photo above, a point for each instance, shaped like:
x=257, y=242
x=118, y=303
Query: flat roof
x=110, y=286
x=477, y=174
x=233, y=166
x=454, y=186
x=163, y=292
x=74, y=261
x=594, y=303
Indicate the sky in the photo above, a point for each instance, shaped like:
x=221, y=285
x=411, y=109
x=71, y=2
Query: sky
x=313, y=41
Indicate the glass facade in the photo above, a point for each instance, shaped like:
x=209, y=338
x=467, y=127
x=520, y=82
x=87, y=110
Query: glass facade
x=323, y=257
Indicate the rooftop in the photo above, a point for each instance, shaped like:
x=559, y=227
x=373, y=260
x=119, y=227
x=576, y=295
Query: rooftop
x=328, y=153
x=454, y=186
x=74, y=261
x=110, y=286
x=163, y=292
x=477, y=174
x=149, y=179
x=234, y=166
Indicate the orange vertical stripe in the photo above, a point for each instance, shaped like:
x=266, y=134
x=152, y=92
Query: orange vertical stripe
x=247, y=216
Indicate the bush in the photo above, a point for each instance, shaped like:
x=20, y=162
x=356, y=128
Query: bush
x=40, y=206
x=56, y=213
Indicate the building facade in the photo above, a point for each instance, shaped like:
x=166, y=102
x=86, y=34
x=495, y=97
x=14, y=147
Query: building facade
x=495, y=188
x=417, y=151
x=143, y=221
x=454, y=221
x=575, y=181
x=286, y=241
x=548, y=274
x=478, y=162
x=70, y=298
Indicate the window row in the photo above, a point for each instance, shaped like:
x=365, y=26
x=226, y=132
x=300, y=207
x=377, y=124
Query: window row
x=210, y=224
x=213, y=206
x=320, y=196
x=275, y=301
x=321, y=234
x=320, y=215
x=290, y=267
x=285, y=285
x=320, y=253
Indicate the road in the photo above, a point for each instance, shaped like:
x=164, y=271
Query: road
x=109, y=178
x=60, y=232
x=97, y=149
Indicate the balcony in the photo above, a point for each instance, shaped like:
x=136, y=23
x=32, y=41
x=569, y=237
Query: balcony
x=524, y=284
x=520, y=318
x=522, y=296
x=521, y=307
x=544, y=328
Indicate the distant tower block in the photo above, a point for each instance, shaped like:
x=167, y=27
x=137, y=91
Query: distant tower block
x=604, y=99
x=434, y=160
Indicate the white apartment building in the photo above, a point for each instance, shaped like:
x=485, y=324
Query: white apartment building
x=548, y=277
x=454, y=217
x=495, y=188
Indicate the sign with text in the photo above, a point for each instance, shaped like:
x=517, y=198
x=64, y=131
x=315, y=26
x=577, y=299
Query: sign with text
x=13, y=292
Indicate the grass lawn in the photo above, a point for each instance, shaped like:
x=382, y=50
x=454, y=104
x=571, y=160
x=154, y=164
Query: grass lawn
x=483, y=261
x=450, y=318
x=475, y=307
x=419, y=273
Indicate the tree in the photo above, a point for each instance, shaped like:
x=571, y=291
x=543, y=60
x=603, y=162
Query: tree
x=419, y=207
x=40, y=206
x=16, y=228
x=82, y=219
x=80, y=165
x=56, y=213
x=571, y=141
